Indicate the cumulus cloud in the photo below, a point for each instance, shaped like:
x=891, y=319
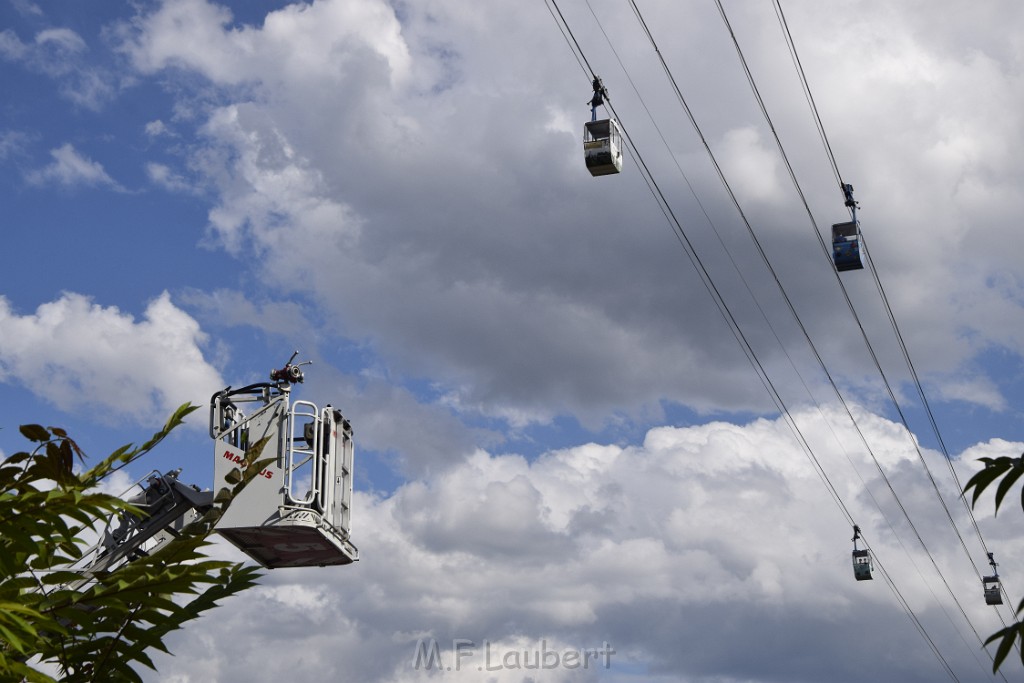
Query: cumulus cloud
x=70, y=169
x=406, y=180
x=196, y=34
x=681, y=552
x=457, y=237
x=99, y=361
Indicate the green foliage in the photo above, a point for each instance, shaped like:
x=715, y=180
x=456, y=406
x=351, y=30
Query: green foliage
x=96, y=627
x=1007, y=637
x=1010, y=469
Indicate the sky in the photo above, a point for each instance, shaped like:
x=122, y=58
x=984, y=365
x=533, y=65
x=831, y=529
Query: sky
x=563, y=445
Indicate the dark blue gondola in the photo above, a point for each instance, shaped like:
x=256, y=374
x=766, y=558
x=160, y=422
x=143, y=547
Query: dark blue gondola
x=846, y=246
x=846, y=251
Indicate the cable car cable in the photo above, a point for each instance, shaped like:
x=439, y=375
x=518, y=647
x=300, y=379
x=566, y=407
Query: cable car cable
x=757, y=303
x=798, y=65
x=946, y=456
x=743, y=279
x=778, y=282
x=807, y=91
x=924, y=401
x=723, y=307
x=780, y=14
x=892, y=318
x=782, y=290
x=911, y=615
x=710, y=222
x=791, y=421
x=578, y=51
x=666, y=209
x=817, y=233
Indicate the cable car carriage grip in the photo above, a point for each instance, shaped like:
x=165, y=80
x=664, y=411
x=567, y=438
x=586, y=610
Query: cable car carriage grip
x=602, y=139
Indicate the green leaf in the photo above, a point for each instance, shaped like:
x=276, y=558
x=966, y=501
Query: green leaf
x=35, y=433
x=104, y=626
x=981, y=480
x=1008, y=635
x=1012, y=476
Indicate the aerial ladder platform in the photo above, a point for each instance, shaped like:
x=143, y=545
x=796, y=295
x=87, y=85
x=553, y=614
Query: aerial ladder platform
x=297, y=510
x=294, y=512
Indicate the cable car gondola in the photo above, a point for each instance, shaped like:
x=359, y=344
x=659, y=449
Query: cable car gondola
x=861, y=559
x=846, y=246
x=602, y=139
x=993, y=587
x=846, y=251
x=993, y=594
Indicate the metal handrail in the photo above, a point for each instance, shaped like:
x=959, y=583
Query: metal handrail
x=314, y=497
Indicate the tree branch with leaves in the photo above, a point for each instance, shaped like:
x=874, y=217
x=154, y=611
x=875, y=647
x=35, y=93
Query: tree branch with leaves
x=103, y=628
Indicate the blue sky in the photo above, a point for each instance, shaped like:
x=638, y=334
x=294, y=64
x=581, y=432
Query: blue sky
x=558, y=438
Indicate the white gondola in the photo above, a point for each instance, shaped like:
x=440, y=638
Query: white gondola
x=602, y=138
x=861, y=559
x=993, y=593
x=993, y=587
x=862, y=565
x=602, y=147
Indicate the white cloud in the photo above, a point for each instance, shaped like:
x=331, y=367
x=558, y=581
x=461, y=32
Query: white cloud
x=156, y=128
x=11, y=46
x=194, y=34
x=61, y=39
x=674, y=552
x=71, y=169
x=27, y=7
x=167, y=178
x=456, y=236
x=753, y=168
x=12, y=142
x=406, y=178
x=60, y=54
x=272, y=201
x=978, y=390
x=101, y=362
x=231, y=308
